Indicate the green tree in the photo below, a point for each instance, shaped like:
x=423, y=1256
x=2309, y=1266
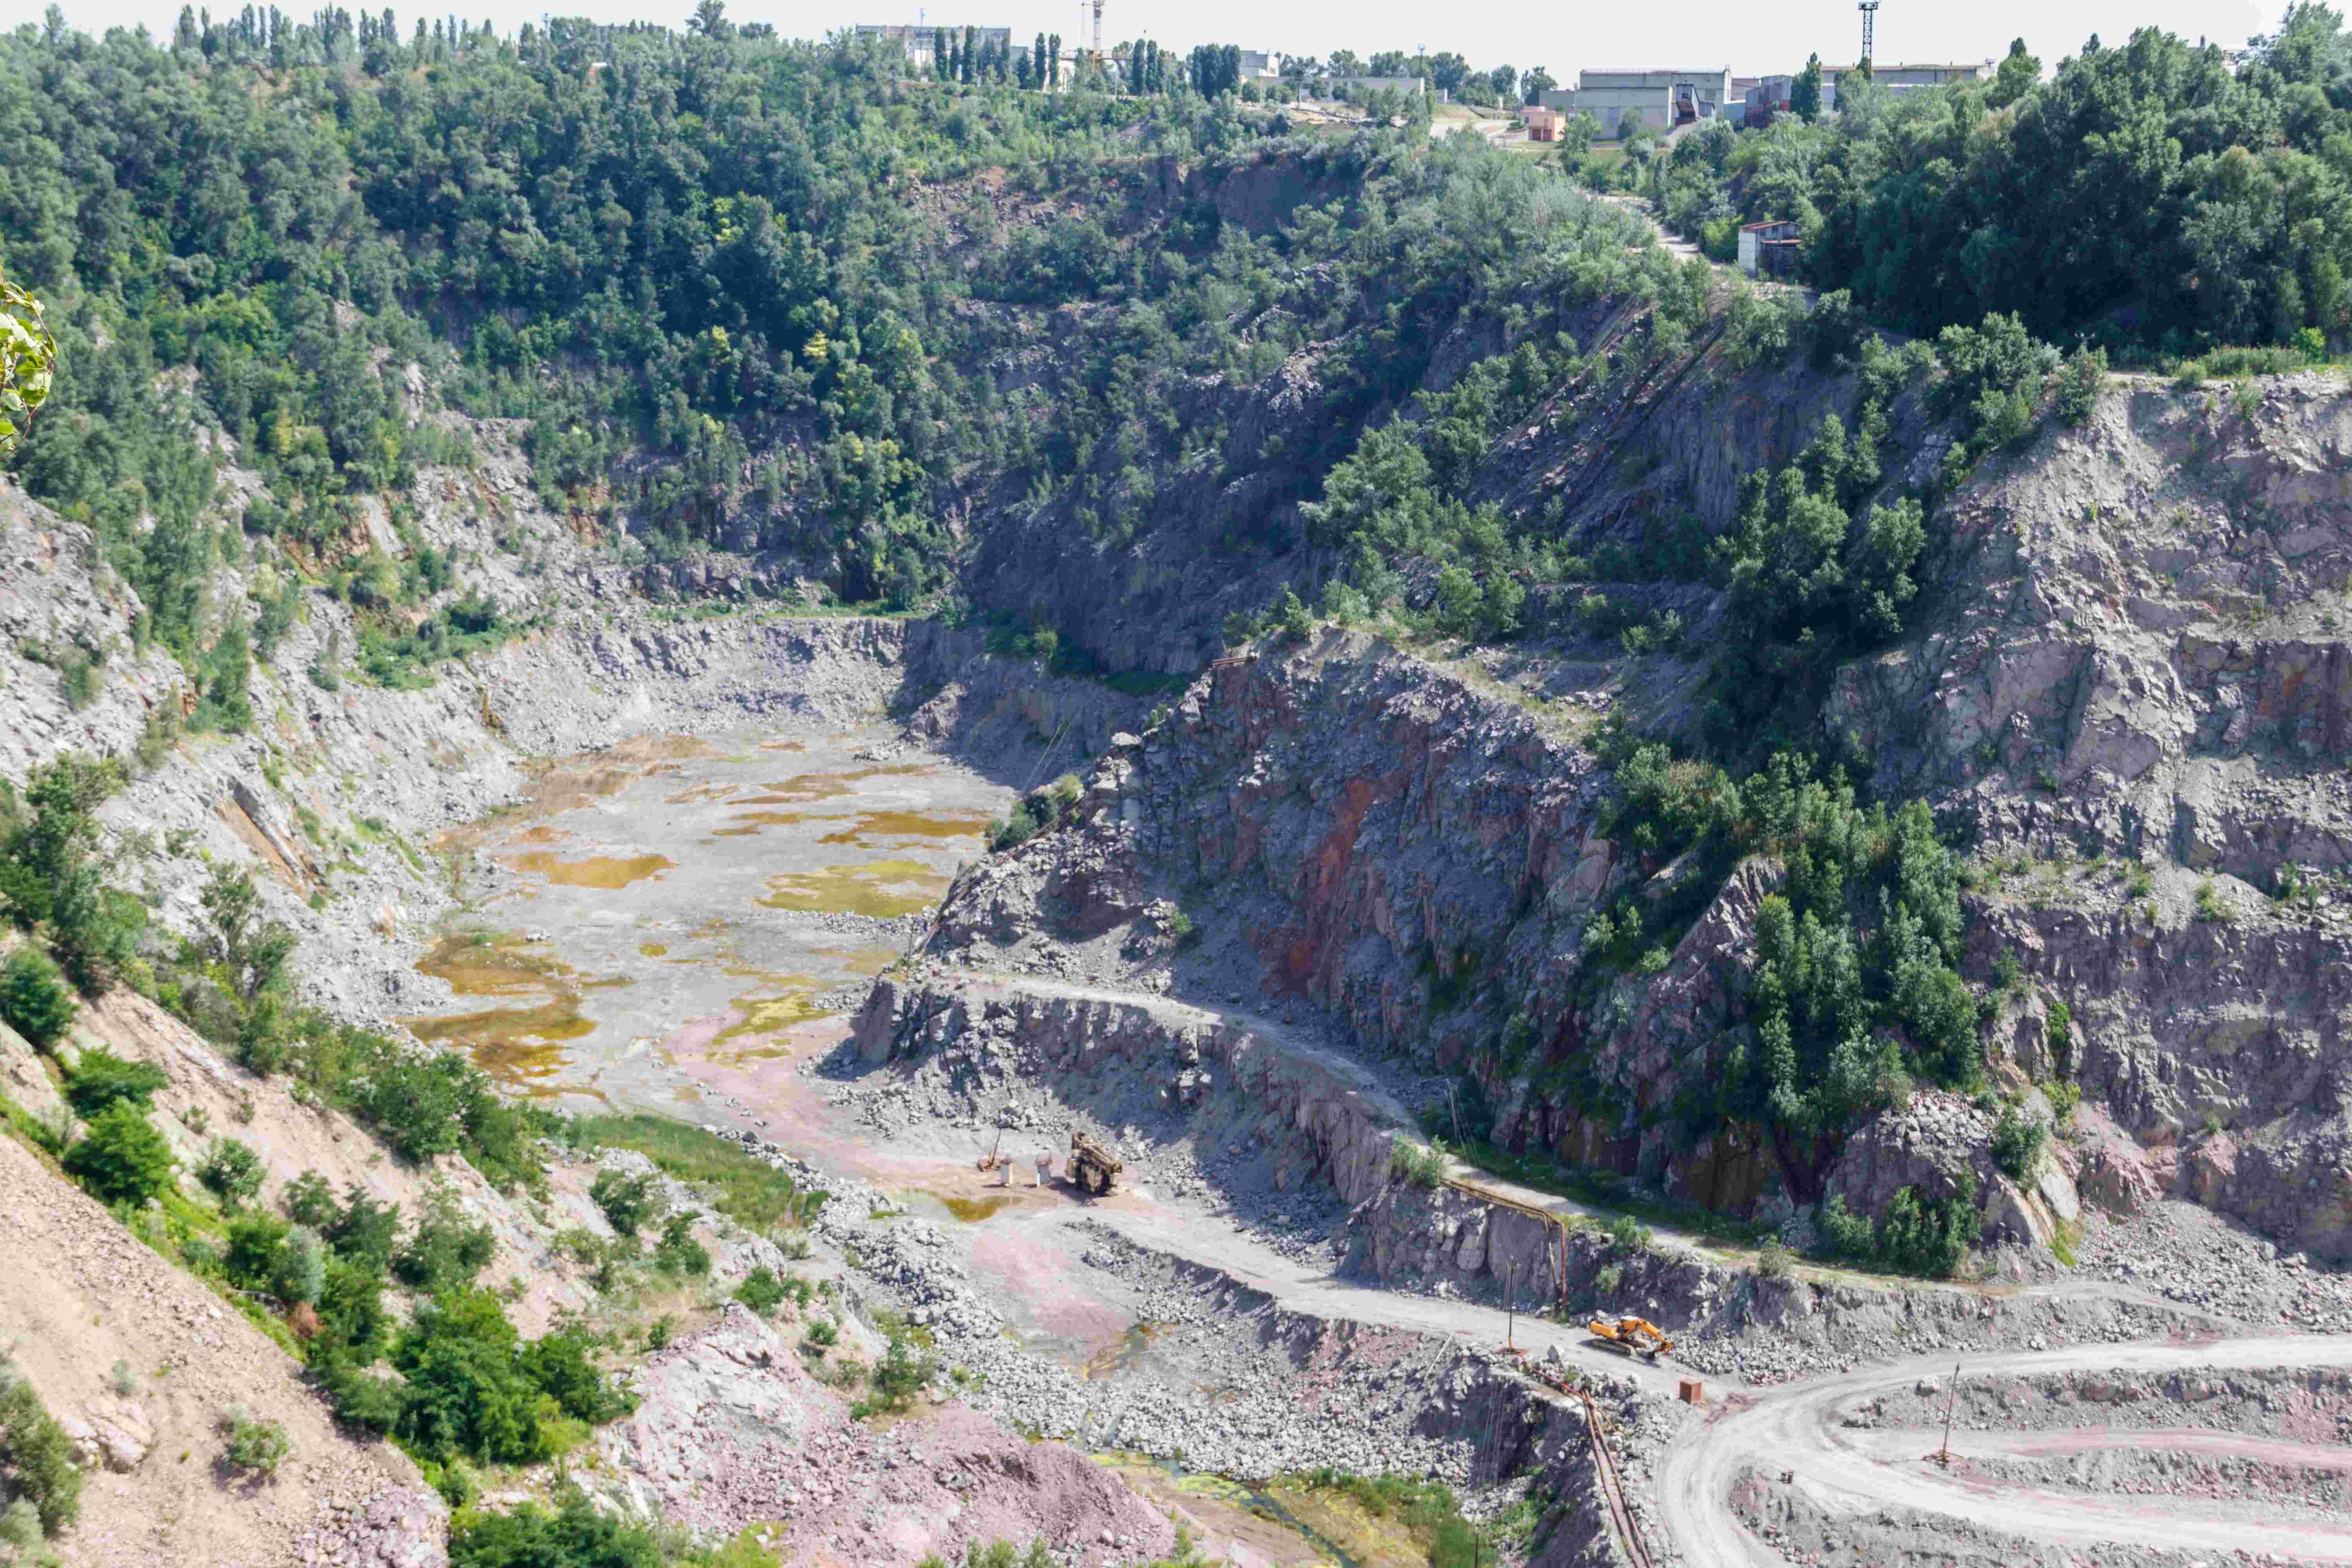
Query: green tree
x=100, y=1081
x=1805, y=92
x=232, y=1172
x=121, y=1158
x=33, y=998
x=28, y=358
x=2019, y=74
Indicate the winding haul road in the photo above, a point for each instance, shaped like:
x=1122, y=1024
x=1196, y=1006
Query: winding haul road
x=1852, y=1471
x=1796, y=1428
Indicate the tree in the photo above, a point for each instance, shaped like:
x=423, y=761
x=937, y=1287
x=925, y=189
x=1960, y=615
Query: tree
x=50, y=880
x=1805, y=92
x=1054, y=60
x=1503, y=82
x=2019, y=74
x=232, y=1172
x=121, y=1158
x=33, y=997
x=28, y=359
x=709, y=18
x=1535, y=84
x=251, y=949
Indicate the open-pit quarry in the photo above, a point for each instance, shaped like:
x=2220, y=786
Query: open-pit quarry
x=733, y=925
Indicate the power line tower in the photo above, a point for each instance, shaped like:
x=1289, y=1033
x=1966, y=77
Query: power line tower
x=1869, y=9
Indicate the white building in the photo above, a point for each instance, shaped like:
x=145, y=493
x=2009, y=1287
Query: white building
x=1661, y=97
x=1915, y=78
x=1261, y=65
x=918, y=38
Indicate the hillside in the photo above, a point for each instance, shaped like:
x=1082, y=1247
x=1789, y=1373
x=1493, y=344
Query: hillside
x=646, y=677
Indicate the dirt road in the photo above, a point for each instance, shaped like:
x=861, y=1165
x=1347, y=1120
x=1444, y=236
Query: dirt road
x=1794, y=1430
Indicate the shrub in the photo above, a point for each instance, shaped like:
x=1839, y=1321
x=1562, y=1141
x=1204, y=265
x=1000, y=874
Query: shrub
x=310, y=1199
x=2017, y=1141
x=824, y=1334
x=1915, y=1235
x=121, y=1158
x=562, y=1366
x=679, y=1253
x=250, y=1258
x=35, y=1455
x=761, y=1290
x=2212, y=906
x=1183, y=928
x=101, y=1080
x=232, y=1172
x=2076, y=384
x=444, y=1253
x=300, y=1271
x=575, y=1536
x=1630, y=1235
x=1011, y=832
x=1424, y=1167
x=255, y=1447
x=898, y=1376
x=34, y=999
x=1776, y=1261
x=627, y=1201
x=467, y=1392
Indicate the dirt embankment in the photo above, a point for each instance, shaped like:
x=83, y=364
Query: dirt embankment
x=143, y=1365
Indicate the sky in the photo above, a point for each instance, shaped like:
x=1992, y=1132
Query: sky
x=1750, y=38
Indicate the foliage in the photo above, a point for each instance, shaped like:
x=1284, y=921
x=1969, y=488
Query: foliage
x=444, y=1253
x=52, y=881
x=1426, y=1508
x=577, y=1535
x=28, y=357
x=1856, y=987
x=627, y=1201
x=232, y=1172
x=121, y=1158
x=257, y=1447
x=761, y=1291
x=1915, y=1235
x=678, y=1252
x=35, y=1455
x=33, y=999
x=100, y=1078
x=2017, y=1144
x=898, y=1376
x=1424, y=1166
x=739, y=1185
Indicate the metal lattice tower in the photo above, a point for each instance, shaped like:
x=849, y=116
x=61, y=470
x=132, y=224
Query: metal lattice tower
x=1869, y=9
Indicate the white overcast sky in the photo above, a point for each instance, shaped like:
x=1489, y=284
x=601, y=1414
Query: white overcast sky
x=1750, y=38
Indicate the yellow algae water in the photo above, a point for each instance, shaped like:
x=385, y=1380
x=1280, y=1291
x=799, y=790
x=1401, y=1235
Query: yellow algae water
x=772, y=1014
x=867, y=825
x=478, y=963
x=878, y=888
x=607, y=872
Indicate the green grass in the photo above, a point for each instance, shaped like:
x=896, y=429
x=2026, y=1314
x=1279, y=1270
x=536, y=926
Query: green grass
x=740, y=1187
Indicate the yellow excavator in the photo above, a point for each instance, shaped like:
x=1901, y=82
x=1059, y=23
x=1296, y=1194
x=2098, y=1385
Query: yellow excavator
x=1635, y=1336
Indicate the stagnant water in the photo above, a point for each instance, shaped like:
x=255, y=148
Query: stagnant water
x=677, y=892
x=676, y=925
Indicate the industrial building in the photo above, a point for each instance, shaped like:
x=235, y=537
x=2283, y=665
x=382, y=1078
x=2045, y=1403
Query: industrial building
x=1661, y=97
x=1261, y=65
x=919, y=39
x=1902, y=78
x=1769, y=249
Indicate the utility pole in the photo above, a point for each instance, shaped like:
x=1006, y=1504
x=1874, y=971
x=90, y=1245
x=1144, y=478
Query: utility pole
x=1951, y=1397
x=1869, y=9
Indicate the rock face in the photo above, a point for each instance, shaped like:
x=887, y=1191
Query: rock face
x=1312, y=1113
x=733, y=1432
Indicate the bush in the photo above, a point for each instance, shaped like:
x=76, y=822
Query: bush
x=679, y=1253
x=300, y=1274
x=256, y=1447
x=898, y=1376
x=575, y=1536
x=35, y=1000
x=250, y=1258
x=1915, y=1235
x=761, y=1290
x=232, y=1173
x=121, y=1158
x=444, y=1253
x=1009, y=832
x=627, y=1201
x=1424, y=1167
x=2076, y=384
x=562, y=1366
x=35, y=1455
x=101, y=1080
x=467, y=1392
x=2017, y=1141
x=310, y=1199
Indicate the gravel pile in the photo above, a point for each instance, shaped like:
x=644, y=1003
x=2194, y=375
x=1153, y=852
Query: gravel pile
x=2191, y=1255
